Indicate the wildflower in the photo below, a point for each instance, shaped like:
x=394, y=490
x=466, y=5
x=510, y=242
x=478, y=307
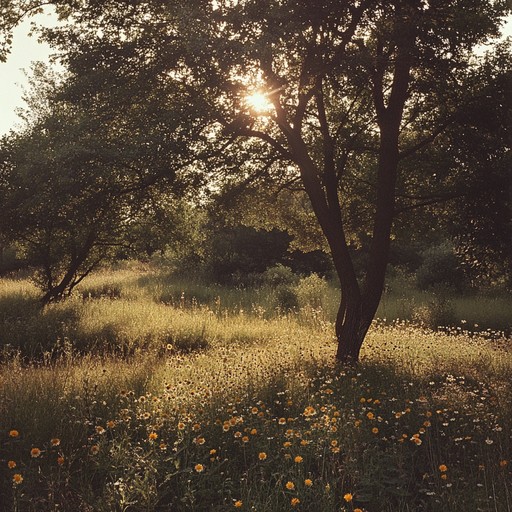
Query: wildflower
x=100, y=430
x=60, y=460
x=444, y=476
x=294, y=502
x=152, y=436
x=282, y=421
x=358, y=510
x=309, y=411
x=238, y=504
x=298, y=459
x=254, y=432
x=245, y=439
x=443, y=468
x=94, y=449
x=162, y=446
x=290, y=486
x=503, y=463
x=213, y=451
x=375, y=430
x=181, y=425
x=14, y=433
x=287, y=444
x=308, y=482
x=17, y=478
x=199, y=468
x=11, y=464
x=370, y=416
x=262, y=456
x=254, y=410
x=200, y=440
x=35, y=452
x=348, y=497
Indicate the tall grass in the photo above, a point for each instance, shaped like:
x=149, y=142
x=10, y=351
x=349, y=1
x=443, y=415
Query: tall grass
x=214, y=409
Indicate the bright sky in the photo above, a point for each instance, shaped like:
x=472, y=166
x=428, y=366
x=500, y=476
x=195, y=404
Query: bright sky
x=27, y=49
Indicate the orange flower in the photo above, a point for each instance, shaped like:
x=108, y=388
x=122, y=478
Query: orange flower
x=94, y=449
x=443, y=468
x=298, y=459
x=375, y=430
x=152, y=436
x=14, y=433
x=348, y=497
x=17, y=478
x=294, y=502
x=55, y=441
x=35, y=452
x=238, y=504
x=60, y=460
x=262, y=456
x=11, y=464
x=290, y=486
x=308, y=482
x=199, y=468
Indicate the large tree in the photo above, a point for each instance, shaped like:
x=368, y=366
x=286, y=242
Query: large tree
x=340, y=97
x=353, y=87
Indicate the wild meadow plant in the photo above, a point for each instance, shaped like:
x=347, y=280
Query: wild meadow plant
x=258, y=416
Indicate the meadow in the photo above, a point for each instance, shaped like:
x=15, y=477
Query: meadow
x=144, y=393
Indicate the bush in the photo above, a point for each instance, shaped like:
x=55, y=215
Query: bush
x=312, y=292
x=440, y=267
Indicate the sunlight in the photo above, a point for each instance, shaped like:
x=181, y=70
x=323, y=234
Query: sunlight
x=259, y=102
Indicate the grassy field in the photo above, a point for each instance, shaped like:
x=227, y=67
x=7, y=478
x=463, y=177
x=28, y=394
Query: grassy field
x=141, y=395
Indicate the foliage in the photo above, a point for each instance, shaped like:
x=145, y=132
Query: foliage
x=440, y=266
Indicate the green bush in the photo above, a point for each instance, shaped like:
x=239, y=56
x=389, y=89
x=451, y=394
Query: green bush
x=440, y=267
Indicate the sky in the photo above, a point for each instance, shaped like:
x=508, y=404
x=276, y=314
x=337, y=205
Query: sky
x=27, y=49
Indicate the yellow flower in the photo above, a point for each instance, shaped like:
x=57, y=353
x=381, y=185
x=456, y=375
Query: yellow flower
x=287, y=444
x=200, y=440
x=309, y=411
x=298, y=459
x=375, y=430
x=254, y=432
x=35, y=452
x=11, y=464
x=238, y=504
x=294, y=502
x=181, y=425
x=262, y=456
x=443, y=468
x=444, y=476
x=290, y=486
x=14, y=433
x=308, y=482
x=213, y=451
x=152, y=436
x=17, y=478
x=370, y=416
x=111, y=424
x=282, y=421
x=199, y=468
x=245, y=439
x=100, y=430
x=348, y=497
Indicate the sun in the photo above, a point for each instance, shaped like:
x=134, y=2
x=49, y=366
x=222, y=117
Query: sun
x=259, y=102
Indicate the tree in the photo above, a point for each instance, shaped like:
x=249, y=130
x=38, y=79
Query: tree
x=341, y=99
x=77, y=178
x=354, y=87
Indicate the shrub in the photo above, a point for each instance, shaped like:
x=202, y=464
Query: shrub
x=440, y=266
